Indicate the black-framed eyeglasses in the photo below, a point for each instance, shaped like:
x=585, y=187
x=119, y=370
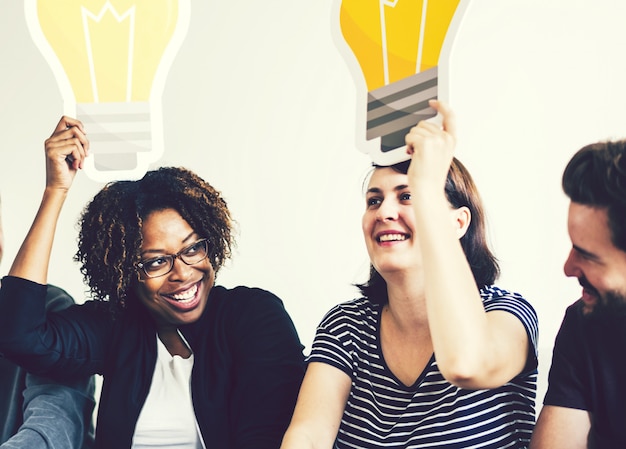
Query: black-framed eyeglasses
x=161, y=265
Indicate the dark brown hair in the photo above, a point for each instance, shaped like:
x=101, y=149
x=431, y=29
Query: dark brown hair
x=460, y=191
x=110, y=236
x=596, y=177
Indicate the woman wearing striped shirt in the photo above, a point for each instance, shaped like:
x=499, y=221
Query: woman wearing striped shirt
x=433, y=355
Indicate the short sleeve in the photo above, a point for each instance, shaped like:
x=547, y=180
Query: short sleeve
x=345, y=331
x=327, y=348
x=567, y=377
x=495, y=298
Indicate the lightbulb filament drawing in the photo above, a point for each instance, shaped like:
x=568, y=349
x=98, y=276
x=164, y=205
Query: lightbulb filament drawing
x=110, y=59
x=384, y=37
x=129, y=17
x=399, y=46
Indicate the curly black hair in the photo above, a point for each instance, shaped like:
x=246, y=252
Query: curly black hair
x=110, y=237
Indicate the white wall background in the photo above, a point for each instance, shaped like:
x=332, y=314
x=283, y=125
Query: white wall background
x=262, y=104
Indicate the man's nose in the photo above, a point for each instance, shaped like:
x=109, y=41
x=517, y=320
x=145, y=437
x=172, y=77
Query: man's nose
x=571, y=268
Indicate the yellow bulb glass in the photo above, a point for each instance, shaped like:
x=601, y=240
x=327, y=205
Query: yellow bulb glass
x=110, y=59
x=393, y=40
x=110, y=51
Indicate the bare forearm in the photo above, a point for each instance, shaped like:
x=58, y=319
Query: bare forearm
x=456, y=316
x=66, y=150
x=294, y=439
x=319, y=409
x=561, y=428
x=473, y=349
x=33, y=256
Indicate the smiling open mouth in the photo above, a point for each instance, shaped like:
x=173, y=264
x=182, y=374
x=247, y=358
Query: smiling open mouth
x=392, y=237
x=185, y=296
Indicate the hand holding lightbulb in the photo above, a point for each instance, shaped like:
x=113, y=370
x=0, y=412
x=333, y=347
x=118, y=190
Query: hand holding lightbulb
x=66, y=150
x=430, y=145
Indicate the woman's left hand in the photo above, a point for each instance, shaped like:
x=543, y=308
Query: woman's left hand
x=66, y=150
x=431, y=147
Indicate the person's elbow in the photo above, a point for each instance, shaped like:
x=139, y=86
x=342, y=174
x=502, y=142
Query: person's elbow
x=475, y=373
x=463, y=375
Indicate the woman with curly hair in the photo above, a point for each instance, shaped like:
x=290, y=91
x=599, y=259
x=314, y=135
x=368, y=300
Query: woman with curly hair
x=186, y=363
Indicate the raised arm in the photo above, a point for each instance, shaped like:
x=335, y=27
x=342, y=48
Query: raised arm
x=66, y=150
x=474, y=349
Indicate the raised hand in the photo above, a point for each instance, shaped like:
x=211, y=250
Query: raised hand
x=431, y=147
x=66, y=150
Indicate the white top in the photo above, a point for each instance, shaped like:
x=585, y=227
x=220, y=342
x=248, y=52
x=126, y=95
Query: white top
x=167, y=419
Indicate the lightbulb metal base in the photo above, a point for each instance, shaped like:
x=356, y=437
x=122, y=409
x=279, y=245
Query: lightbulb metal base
x=117, y=132
x=394, y=109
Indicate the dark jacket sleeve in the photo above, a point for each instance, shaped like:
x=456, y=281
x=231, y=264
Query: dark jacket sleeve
x=268, y=370
x=65, y=344
x=50, y=414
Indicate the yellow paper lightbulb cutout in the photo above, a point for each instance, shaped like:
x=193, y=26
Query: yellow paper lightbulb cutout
x=399, y=45
x=110, y=60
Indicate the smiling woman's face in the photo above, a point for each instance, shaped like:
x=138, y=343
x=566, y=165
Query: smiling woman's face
x=389, y=222
x=180, y=296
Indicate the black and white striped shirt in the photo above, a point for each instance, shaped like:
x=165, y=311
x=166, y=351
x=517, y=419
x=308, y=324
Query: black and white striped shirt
x=383, y=412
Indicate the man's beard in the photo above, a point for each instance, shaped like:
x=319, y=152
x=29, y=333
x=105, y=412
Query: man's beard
x=609, y=304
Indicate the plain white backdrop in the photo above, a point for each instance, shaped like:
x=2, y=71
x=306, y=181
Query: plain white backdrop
x=261, y=103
